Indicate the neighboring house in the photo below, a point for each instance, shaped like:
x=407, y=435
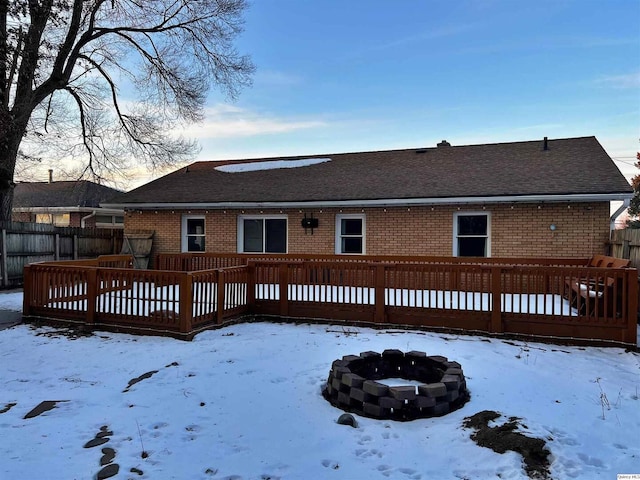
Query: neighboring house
x=66, y=204
x=521, y=199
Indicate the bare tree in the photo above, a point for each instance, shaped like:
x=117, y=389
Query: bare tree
x=67, y=68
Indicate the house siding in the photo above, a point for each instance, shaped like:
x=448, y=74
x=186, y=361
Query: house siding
x=518, y=230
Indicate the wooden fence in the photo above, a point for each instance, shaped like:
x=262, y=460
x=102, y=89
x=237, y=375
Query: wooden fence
x=626, y=244
x=24, y=243
x=569, y=301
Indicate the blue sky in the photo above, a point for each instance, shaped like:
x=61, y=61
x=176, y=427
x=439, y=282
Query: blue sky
x=351, y=75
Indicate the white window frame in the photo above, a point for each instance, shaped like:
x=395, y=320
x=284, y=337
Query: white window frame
x=112, y=224
x=240, y=230
x=455, y=230
x=185, y=236
x=338, y=239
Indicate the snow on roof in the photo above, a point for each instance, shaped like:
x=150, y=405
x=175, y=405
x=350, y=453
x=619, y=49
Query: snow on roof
x=270, y=165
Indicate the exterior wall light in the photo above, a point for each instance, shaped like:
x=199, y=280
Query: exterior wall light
x=552, y=227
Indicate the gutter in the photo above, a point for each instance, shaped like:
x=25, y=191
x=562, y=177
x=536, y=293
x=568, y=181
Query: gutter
x=84, y=219
x=106, y=211
x=400, y=202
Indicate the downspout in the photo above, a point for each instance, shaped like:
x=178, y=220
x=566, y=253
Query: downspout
x=616, y=214
x=84, y=219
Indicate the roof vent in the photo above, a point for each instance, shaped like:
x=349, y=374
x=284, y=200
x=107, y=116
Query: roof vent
x=51, y=175
x=421, y=150
x=545, y=145
x=444, y=143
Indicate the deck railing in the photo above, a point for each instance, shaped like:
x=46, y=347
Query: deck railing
x=192, y=261
x=545, y=299
x=155, y=300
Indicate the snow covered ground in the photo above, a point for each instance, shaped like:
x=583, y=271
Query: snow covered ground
x=244, y=402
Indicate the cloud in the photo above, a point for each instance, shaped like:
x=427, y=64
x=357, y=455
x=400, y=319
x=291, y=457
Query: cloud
x=630, y=80
x=228, y=121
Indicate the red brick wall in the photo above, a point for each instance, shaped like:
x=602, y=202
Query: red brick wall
x=76, y=217
x=516, y=231
x=23, y=217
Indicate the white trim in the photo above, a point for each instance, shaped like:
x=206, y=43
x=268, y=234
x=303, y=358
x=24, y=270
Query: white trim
x=391, y=202
x=338, y=232
x=105, y=211
x=471, y=213
x=184, y=238
x=240, y=230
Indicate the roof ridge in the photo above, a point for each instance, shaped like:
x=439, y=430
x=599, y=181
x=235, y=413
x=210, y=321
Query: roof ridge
x=370, y=152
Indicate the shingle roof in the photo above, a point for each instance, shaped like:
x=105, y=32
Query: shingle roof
x=568, y=167
x=61, y=194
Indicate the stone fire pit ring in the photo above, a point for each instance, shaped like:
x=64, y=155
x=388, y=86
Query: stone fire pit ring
x=353, y=385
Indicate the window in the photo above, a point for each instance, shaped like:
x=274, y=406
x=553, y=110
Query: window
x=350, y=234
x=44, y=218
x=262, y=234
x=110, y=220
x=193, y=234
x=471, y=234
x=57, y=219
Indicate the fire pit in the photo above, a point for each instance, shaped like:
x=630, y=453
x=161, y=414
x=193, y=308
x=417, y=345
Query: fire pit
x=353, y=385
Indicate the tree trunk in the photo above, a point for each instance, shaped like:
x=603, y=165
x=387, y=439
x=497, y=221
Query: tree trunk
x=10, y=139
x=6, y=202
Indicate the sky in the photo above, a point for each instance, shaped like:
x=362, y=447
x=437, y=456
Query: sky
x=339, y=76
x=244, y=403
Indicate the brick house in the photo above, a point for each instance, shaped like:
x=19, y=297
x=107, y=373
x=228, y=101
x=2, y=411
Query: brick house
x=66, y=204
x=521, y=199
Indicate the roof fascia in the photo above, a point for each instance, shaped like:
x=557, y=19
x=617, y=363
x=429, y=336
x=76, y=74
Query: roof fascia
x=108, y=211
x=401, y=202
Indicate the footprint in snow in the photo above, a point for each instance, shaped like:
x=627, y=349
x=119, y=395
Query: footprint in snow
x=592, y=461
x=389, y=471
x=365, y=453
x=330, y=464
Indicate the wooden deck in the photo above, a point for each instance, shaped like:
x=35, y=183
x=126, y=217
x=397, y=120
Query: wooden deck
x=193, y=292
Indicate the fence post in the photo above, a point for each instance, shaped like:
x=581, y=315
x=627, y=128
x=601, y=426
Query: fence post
x=626, y=250
x=379, y=294
x=26, y=291
x=56, y=247
x=92, y=294
x=632, y=307
x=220, y=300
x=186, y=302
x=283, y=281
x=251, y=286
x=4, y=253
x=496, y=300
x=75, y=246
